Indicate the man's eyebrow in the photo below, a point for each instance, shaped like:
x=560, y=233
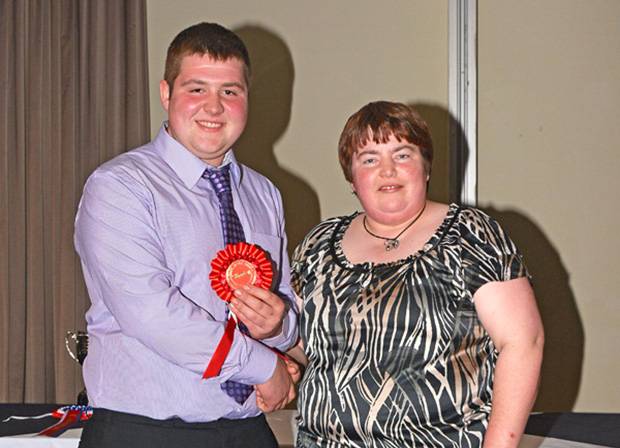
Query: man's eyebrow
x=194, y=81
x=201, y=82
x=234, y=84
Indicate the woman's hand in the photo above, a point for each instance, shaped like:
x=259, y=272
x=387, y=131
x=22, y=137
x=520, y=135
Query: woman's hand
x=278, y=391
x=294, y=369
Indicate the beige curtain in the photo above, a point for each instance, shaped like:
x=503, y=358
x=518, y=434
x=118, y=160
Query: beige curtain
x=73, y=93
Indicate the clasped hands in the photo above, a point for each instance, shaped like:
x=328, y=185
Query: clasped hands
x=262, y=312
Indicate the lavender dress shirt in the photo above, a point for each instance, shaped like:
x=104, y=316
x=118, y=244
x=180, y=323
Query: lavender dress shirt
x=146, y=230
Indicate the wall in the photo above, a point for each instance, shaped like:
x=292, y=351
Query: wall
x=549, y=102
x=315, y=63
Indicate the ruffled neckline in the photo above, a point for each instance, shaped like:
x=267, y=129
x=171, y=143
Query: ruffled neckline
x=433, y=241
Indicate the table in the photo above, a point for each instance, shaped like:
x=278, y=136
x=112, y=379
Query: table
x=548, y=430
x=22, y=433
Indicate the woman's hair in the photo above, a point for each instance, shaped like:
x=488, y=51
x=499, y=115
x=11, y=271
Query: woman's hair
x=203, y=38
x=378, y=121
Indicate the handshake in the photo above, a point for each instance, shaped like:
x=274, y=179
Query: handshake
x=279, y=390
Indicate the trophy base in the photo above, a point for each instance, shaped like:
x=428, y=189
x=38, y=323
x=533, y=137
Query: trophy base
x=82, y=398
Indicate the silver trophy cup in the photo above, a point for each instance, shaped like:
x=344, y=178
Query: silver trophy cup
x=76, y=343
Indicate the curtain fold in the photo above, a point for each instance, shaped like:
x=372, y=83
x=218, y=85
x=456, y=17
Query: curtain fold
x=73, y=94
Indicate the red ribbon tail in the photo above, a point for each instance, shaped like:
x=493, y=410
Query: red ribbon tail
x=221, y=351
x=67, y=420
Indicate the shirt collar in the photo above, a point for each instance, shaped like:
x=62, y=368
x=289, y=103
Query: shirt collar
x=186, y=165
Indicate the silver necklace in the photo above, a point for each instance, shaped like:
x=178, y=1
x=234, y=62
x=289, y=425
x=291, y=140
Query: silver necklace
x=392, y=243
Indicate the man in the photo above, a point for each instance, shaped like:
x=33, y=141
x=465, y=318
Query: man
x=149, y=223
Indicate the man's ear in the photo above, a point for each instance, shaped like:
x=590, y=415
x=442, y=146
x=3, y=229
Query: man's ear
x=164, y=94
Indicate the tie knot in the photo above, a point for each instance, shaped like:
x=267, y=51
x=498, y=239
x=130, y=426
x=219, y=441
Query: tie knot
x=219, y=178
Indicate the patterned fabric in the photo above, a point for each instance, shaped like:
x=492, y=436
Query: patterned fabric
x=397, y=355
x=231, y=226
x=233, y=233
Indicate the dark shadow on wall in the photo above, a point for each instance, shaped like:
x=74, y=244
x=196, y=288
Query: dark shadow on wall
x=271, y=95
x=564, y=337
x=447, y=173
x=438, y=119
x=563, y=357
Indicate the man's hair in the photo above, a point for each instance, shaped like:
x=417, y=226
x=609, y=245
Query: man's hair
x=378, y=121
x=203, y=38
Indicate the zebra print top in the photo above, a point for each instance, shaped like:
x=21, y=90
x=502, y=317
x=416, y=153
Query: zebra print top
x=396, y=354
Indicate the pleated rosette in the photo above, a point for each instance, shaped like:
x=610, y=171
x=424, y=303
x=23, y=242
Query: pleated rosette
x=237, y=265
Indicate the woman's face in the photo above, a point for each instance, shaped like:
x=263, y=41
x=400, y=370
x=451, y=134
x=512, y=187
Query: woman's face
x=389, y=180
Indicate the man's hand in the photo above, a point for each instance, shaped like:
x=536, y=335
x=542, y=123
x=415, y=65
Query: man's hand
x=260, y=310
x=277, y=391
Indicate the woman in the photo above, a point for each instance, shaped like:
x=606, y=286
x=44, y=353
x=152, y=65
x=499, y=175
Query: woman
x=415, y=315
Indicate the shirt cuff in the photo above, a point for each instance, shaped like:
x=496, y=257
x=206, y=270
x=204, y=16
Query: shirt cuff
x=287, y=336
x=261, y=366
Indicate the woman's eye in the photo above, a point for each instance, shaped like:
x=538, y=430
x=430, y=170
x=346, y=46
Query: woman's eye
x=368, y=161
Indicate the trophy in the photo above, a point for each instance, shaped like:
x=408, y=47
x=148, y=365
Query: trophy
x=79, y=341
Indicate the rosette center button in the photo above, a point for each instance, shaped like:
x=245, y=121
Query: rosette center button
x=240, y=273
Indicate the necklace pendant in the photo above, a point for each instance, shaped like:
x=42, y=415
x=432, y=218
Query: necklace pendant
x=391, y=244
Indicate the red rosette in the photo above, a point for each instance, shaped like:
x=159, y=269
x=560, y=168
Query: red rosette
x=237, y=265
x=233, y=267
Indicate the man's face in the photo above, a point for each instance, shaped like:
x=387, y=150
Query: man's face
x=208, y=108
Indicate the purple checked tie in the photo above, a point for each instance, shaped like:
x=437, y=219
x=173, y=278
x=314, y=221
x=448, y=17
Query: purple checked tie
x=233, y=233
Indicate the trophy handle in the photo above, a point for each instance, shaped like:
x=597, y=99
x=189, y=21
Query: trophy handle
x=80, y=339
x=71, y=335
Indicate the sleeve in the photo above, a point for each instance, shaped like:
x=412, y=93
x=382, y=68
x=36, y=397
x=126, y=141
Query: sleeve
x=308, y=256
x=288, y=336
x=127, y=277
x=297, y=268
x=488, y=254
